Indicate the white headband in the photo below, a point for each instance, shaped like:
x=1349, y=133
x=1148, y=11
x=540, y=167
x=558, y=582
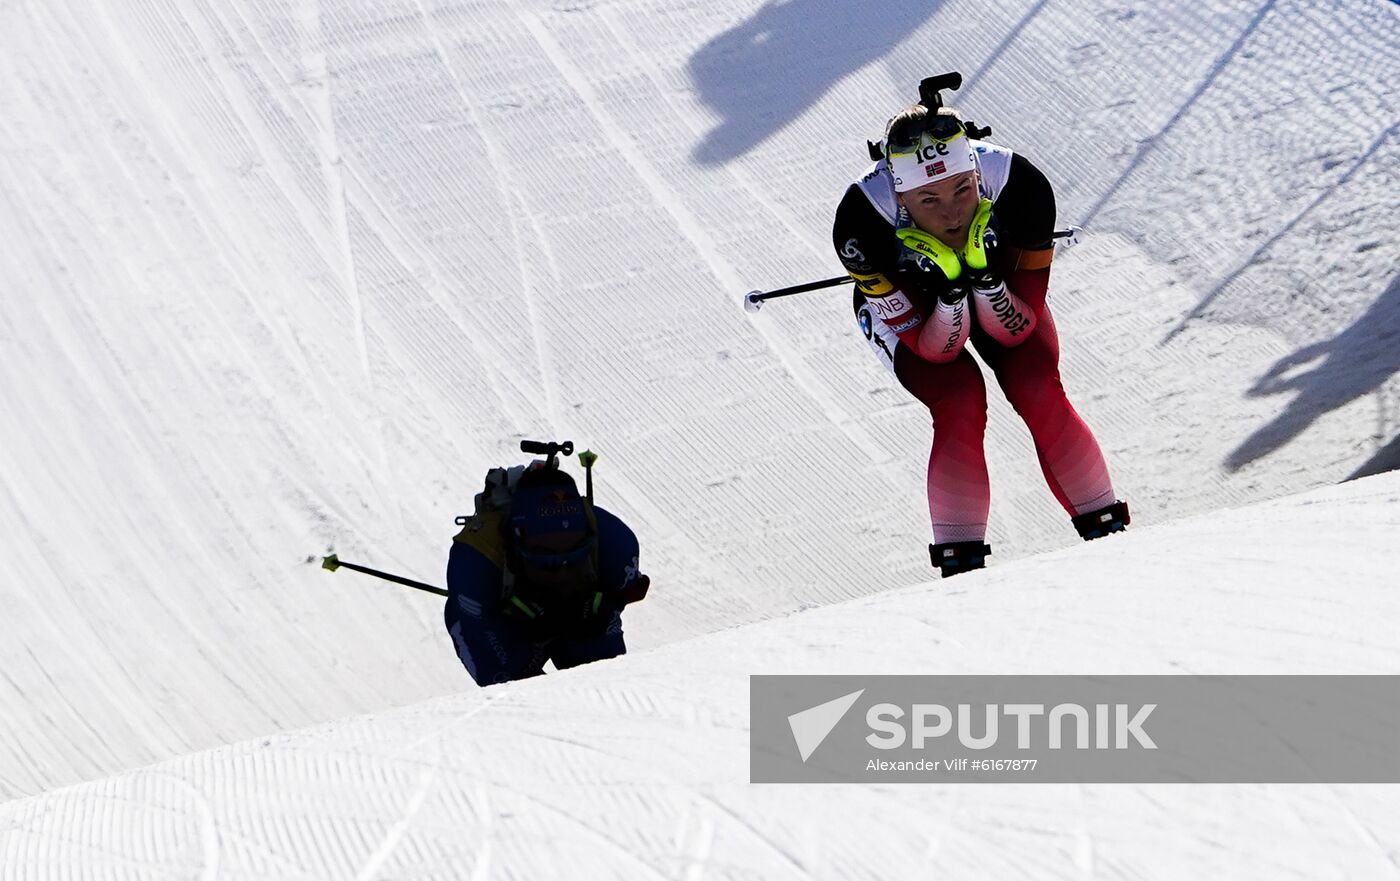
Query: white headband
x=934, y=160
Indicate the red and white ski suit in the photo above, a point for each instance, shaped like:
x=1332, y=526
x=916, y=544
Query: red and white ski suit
x=893, y=312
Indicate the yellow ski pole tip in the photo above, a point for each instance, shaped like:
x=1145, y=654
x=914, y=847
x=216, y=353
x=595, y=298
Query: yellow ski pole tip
x=332, y=562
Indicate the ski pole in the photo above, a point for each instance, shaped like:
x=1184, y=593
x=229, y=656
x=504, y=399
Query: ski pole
x=1070, y=235
x=588, y=458
x=333, y=563
x=753, y=300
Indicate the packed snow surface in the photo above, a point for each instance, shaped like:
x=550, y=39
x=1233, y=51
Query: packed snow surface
x=638, y=768
x=282, y=278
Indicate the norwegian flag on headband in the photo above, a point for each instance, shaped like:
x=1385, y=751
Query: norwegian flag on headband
x=934, y=169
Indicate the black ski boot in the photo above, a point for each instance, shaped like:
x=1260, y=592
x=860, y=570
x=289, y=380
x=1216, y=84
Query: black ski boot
x=954, y=557
x=1108, y=519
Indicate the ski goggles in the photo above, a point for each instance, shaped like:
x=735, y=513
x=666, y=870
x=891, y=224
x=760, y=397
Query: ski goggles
x=909, y=135
x=922, y=152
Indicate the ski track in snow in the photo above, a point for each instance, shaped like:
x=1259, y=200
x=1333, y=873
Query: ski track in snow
x=513, y=211
x=693, y=231
x=1152, y=142
x=332, y=160
x=1200, y=308
x=649, y=745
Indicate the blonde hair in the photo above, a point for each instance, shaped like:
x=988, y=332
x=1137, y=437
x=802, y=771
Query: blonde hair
x=912, y=120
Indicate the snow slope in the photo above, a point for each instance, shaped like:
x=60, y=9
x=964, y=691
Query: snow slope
x=638, y=768
x=279, y=277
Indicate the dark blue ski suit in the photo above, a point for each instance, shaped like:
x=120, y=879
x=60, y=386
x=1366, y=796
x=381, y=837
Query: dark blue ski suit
x=494, y=645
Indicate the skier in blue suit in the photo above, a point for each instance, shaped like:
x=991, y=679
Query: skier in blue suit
x=543, y=579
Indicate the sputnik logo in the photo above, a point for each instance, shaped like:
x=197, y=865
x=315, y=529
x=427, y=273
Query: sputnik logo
x=810, y=727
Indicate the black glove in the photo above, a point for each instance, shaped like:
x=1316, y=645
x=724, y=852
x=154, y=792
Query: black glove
x=953, y=292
